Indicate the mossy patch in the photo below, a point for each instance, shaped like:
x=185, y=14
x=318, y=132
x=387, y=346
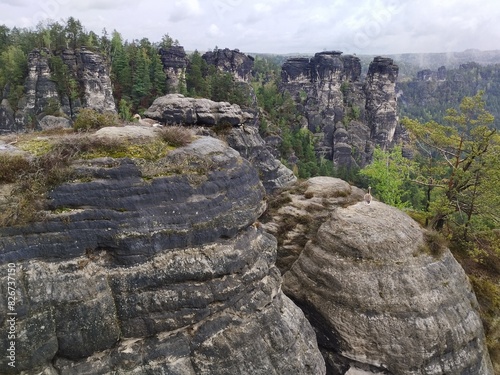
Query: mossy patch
x=36, y=146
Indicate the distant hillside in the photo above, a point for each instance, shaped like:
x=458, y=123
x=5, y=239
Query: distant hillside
x=410, y=63
x=428, y=95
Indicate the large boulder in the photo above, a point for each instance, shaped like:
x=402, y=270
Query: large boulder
x=384, y=296
x=154, y=268
x=177, y=109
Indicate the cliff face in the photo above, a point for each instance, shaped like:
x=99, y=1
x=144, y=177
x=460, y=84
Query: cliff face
x=86, y=74
x=175, y=62
x=349, y=116
x=163, y=274
x=383, y=297
x=231, y=61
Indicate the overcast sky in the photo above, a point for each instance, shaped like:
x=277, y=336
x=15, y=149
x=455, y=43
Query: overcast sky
x=281, y=26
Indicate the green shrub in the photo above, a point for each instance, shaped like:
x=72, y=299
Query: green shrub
x=89, y=119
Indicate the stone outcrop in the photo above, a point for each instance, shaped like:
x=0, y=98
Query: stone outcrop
x=380, y=90
x=238, y=128
x=135, y=270
x=39, y=89
x=177, y=109
x=348, y=115
x=431, y=75
x=42, y=97
x=94, y=78
x=175, y=62
x=273, y=174
x=382, y=295
x=231, y=61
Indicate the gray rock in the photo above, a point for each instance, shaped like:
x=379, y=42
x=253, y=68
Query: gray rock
x=273, y=174
x=7, y=121
x=330, y=93
x=175, y=62
x=41, y=96
x=39, y=89
x=53, y=122
x=381, y=107
x=94, y=76
x=231, y=61
x=177, y=109
x=379, y=302
x=164, y=274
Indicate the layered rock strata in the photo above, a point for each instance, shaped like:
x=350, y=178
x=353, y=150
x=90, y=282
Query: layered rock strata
x=349, y=116
x=178, y=109
x=154, y=269
x=248, y=142
x=236, y=125
x=383, y=297
x=91, y=89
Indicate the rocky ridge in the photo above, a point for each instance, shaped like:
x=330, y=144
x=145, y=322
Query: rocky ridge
x=348, y=115
x=168, y=276
x=43, y=98
x=231, y=61
x=383, y=296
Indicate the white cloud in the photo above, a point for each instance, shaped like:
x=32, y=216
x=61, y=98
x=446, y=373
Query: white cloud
x=282, y=26
x=183, y=10
x=214, y=31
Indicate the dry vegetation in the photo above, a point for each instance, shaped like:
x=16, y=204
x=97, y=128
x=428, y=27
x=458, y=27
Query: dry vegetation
x=47, y=161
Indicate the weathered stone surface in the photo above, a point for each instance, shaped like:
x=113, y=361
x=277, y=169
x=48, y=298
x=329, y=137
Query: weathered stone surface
x=7, y=121
x=40, y=89
x=128, y=132
x=231, y=61
x=175, y=62
x=157, y=275
x=41, y=96
x=380, y=304
x=380, y=89
x=177, y=109
x=94, y=77
x=53, y=122
x=331, y=95
x=273, y=174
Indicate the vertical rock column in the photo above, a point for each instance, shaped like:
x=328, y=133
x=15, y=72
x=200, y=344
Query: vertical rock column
x=380, y=90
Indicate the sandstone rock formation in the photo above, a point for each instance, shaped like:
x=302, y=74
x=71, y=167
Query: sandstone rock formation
x=177, y=109
x=7, y=122
x=39, y=88
x=42, y=96
x=229, y=119
x=154, y=268
x=273, y=174
x=175, y=62
x=231, y=61
x=348, y=116
x=380, y=91
x=379, y=301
